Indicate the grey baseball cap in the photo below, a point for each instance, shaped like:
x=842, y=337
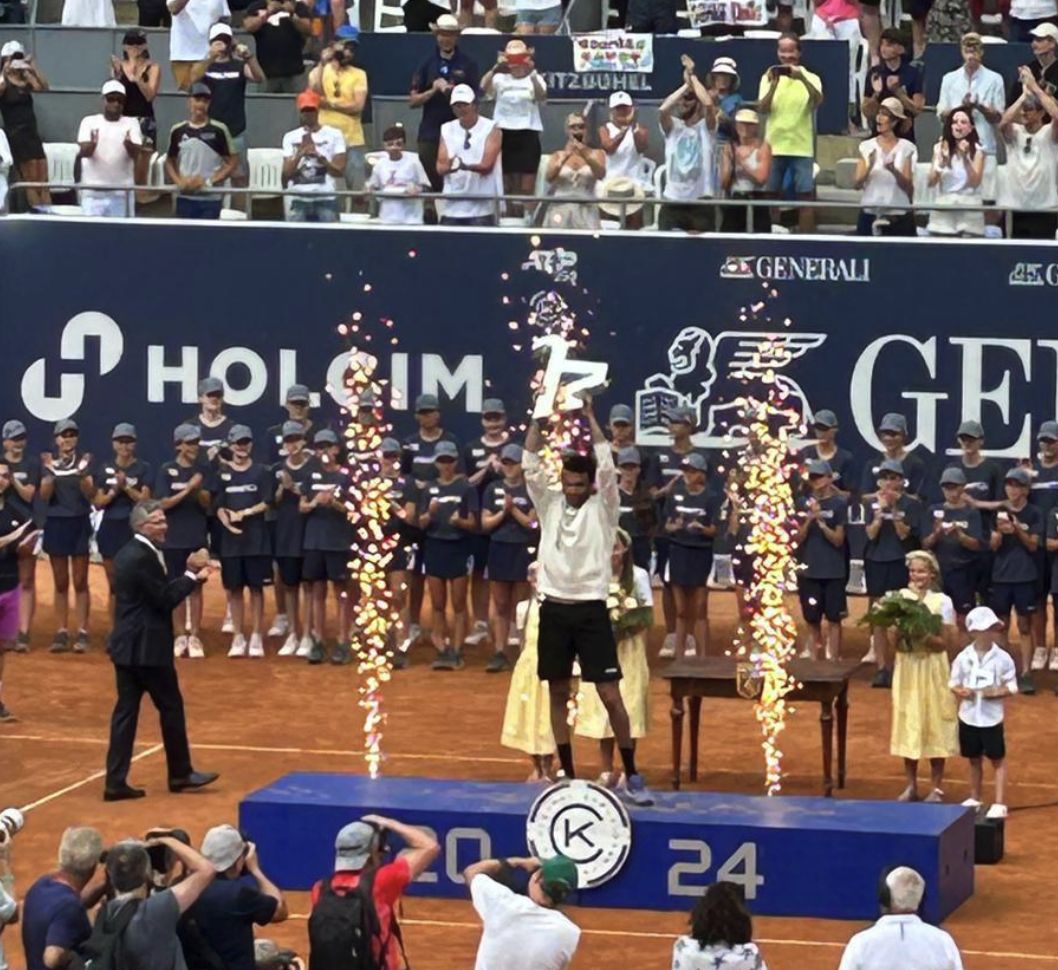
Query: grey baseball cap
x=825, y=419
x=511, y=452
x=696, y=461
x=891, y=467
x=953, y=476
x=186, y=432
x=629, y=456
x=298, y=393
x=293, y=429
x=1049, y=429
x=325, y=436
x=893, y=422
x=124, y=430
x=970, y=429
x=13, y=429
x=390, y=446
x=621, y=414
x=239, y=432
x=366, y=400
x=493, y=405
x=211, y=385
x=819, y=466
x=427, y=402
x=66, y=424
x=352, y=846
x=445, y=449
x=223, y=846
x=1020, y=475
x=684, y=415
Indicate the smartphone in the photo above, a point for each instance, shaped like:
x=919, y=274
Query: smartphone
x=783, y=70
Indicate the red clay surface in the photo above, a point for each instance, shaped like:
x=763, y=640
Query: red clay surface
x=255, y=720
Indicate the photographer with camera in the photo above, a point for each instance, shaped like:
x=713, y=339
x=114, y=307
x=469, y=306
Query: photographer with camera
x=360, y=900
x=54, y=912
x=226, y=912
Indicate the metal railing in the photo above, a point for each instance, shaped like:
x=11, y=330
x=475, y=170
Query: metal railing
x=535, y=206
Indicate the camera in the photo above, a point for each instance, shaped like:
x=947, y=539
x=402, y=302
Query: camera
x=11, y=823
x=782, y=70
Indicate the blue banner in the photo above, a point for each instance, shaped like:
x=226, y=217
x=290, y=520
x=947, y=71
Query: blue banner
x=111, y=323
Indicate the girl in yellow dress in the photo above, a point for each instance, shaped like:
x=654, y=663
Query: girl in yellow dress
x=632, y=599
x=925, y=723
x=527, y=719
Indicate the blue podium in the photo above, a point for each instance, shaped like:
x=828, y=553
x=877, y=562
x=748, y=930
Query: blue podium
x=810, y=857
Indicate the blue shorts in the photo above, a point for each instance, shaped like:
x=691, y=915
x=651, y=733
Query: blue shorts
x=446, y=558
x=479, y=551
x=508, y=562
x=319, y=565
x=197, y=208
x=961, y=584
x=688, y=566
x=551, y=17
x=239, y=571
x=822, y=598
x=67, y=536
x=112, y=535
x=884, y=577
x=1020, y=597
x=793, y=173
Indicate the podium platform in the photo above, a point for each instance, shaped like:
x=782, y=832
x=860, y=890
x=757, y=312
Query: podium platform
x=810, y=857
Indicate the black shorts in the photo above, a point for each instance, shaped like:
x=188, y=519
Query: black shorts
x=113, y=534
x=400, y=558
x=239, y=571
x=290, y=569
x=641, y=551
x=661, y=556
x=977, y=741
x=446, y=558
x=960, y=583
x=319, y=565
x=884, y=577
x=69, y=536
x=25, y=144
x=576, y=631
x=822, y=598
x=688, y=566
x=1043, y=578
x=742, y=567
x=520, y=152
x=176, y=561
x=508, y=562
x=1020, y=597
x=479, y=551
x=215, y=534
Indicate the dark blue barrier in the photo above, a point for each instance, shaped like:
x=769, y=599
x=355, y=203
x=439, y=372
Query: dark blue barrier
x=390, y=60
x=116, y=322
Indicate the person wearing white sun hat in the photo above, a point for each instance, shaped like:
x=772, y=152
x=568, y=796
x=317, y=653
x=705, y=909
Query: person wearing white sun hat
x=623, y=139
x=745, y=165
x=723, y=82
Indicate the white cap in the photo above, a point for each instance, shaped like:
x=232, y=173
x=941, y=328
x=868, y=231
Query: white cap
x=724, y=65
x=219, y=30
x=12, y=47
x=980, y=619
x=113, y=87
x=1045, y=30
x=462, y=94
x=620, y=99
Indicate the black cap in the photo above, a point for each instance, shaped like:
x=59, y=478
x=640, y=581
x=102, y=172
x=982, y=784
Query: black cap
x=134, y=38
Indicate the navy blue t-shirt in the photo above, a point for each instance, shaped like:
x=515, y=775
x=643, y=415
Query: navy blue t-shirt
x=402, y=490
x=226, y=913
x=1052, y=533
x=699, y=507
x=26, y=472
x=632, y=518
x=52, y=915
x=137, y=475
x=887, y=547
x=1044, y=493
x=1013, y=563
x=186, y=519
x=914, y=474
x=509, y=530
x=68, y=501
x=238, y=490
x=289, y=522
x=950, y=553
x=417, y=459
x=457, y=496
x=476, y=456
x=666, y=464
x=821, y=558
x=327, y=527
x=842, y=464
x=214, y=437
x=457, y=69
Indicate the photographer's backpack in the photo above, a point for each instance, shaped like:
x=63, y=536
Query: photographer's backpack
x=105, y=948
x=344, y=929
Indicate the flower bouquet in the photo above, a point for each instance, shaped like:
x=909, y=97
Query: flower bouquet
x=626, y=614
x=911, y=619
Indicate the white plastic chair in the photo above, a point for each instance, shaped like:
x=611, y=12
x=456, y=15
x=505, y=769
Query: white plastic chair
x=924, y=194
x=392, y=10
x=859, y=76
x=265, y=166
x=610, y=13
x=61, y=157
x=480, y=30
x=992, y=39
x=763, y=34
x=660, y=177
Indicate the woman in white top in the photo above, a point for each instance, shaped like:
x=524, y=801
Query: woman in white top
x=745, y=165
x=721, y=934
x=518, y=92
x=399, y=178
x=957, y=168
x=572, y=174
x=623, y=139
x=885, y=172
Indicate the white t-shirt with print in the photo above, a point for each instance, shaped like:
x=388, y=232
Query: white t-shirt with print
x=189, y=36
x=396, y=178
x=517, y=934
x=516, y=106
x=110, y=163
x=688, y=161
x=311, y=175
x=994, y=669
x=881, y=187
x=1032, y=170
x=687, y=954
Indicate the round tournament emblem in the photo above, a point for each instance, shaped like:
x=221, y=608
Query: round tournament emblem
x=584, y=822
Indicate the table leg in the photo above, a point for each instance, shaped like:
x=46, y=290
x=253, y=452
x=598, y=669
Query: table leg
x=696, y=710
x=676, y=713
x=826, y=724
x=843, y=731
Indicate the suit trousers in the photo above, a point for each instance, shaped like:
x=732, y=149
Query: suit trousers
x=163, y=688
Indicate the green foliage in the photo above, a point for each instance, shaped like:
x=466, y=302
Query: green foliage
x=912, y=620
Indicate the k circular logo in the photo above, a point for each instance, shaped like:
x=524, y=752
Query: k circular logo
x=584, y=822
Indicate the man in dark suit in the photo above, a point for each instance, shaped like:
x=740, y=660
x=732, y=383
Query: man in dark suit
x=141, y=648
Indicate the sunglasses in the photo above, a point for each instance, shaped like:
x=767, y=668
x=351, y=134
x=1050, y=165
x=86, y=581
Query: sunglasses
x=112, y=98
x=243, y=441
x=444, y=460
x=69, y=434
x=466, y=140
x=1028, y=143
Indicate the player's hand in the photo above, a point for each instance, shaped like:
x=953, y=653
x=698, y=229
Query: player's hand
x=199, y=559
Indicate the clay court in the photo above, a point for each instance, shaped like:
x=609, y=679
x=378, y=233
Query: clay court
x=253, y=721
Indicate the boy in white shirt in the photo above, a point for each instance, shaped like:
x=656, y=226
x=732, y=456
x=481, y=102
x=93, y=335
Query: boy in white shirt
x=400, y=174
x=982, y=675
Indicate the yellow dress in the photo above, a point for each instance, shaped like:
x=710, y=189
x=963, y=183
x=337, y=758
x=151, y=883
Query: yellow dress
x=925, y=722
x=527, y=719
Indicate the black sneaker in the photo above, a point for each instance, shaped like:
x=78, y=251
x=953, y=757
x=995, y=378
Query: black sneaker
x=884, y=678
x=400, y=660
x=1026, y=685
x=60, y=643
x=498, y=664
x=5, y=714
x=22, y=643
x=317, y=654
x=342, y=654
x=447, y=659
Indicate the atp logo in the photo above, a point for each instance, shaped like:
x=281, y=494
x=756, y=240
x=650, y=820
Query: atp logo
x=72, y=347
x=709, y=374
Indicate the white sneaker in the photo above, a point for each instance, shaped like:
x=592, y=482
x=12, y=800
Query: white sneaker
x=997, y=811
x=290, y=646
x=238, y=646
x=479, y=634
x=413, y=637
x=280, y=626
x=195, y=650
x=690, y=646
x=971, y=803
x=668, y=648
x=304, y=647
x=1053, y=665
x=1039, y=658
x=256, y=645
x=227, y=626
x=180, y=646
x=870, y=656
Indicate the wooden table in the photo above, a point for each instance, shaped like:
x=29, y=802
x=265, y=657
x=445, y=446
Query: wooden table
x=826, y=681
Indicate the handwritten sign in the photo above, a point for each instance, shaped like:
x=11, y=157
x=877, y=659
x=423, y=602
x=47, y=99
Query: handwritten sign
x=613, y=51
x=748, y=13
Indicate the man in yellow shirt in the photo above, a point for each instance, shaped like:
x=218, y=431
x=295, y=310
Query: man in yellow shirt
x=343, y=94
x=790, y=94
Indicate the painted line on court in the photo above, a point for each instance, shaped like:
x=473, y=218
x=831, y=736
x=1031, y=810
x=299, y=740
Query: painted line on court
x=95, y=776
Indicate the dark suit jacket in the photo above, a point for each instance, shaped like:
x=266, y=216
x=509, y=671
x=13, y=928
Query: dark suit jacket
x=143, y=613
